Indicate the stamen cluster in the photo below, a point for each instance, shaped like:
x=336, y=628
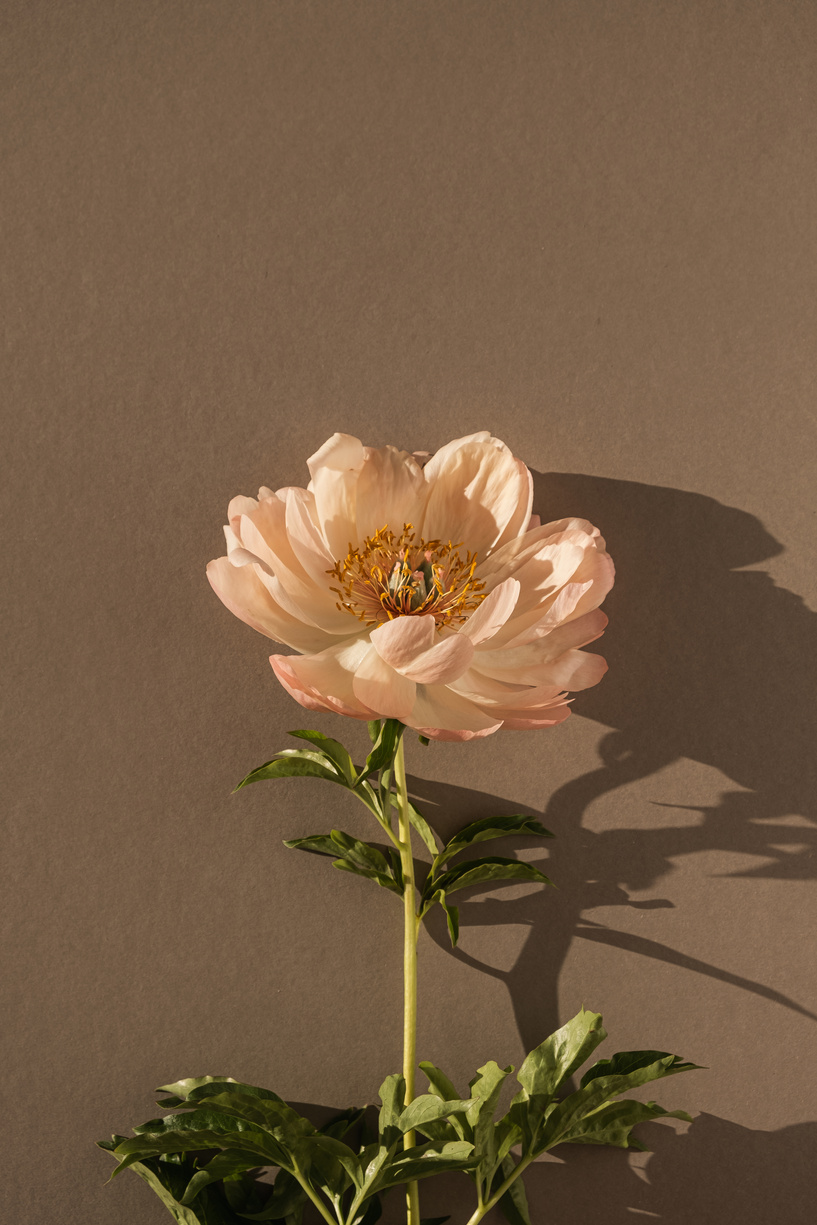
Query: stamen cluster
x=396, y=576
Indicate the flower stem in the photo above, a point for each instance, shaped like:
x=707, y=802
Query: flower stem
x=410, y=930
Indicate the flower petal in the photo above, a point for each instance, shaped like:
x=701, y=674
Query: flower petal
x=478, y=492
x=325, y=681
x=391, y=491
x=400, y=641
x=492, y=613
x=240, y=590
x=378, y=686
x=442, y=714
x=335, y=468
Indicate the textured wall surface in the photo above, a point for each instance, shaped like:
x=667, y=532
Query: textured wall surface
x=232, y=227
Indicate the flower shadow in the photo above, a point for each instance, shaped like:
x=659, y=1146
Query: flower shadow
x=709, y=662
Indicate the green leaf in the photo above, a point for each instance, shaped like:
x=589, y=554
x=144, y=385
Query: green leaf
x=424, y=741
x=385, y=882
x=349, y=855
x=452, y=918
x=441, y=1086
x=383, y=750
x=625, y=1062
x=422, y=826
x=428, y=1107
x=393, y=1097
x=157, y=1144
x=514, y=1203
x=374, y=729
x=183, y=1089
x=613, y=1123
x=428, y=1159
x=493, y=827
x=168, y=1179
x=292, y=763
x=481, y=871
x=555, y=1059
x=332, y=749
x=485, y=1089
x=578, y=1106
x=222, y=1166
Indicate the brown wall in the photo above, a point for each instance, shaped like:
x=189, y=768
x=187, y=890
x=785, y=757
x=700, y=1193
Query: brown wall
x=235, y=226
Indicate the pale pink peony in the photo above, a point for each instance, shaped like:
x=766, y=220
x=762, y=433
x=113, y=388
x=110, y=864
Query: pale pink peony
x=419, y=591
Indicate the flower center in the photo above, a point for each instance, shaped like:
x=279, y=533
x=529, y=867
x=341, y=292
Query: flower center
x=397, y=576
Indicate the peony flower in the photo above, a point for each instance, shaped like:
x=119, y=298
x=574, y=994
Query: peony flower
x=419, y=591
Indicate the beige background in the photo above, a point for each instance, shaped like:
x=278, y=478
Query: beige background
x=232, y=228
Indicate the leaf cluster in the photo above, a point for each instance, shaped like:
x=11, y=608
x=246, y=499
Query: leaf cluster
x=542, y=1116
x=372, y=784
x=200, y=1157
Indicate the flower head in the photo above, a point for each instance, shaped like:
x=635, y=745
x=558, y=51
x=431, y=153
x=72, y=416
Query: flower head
x=419, y=591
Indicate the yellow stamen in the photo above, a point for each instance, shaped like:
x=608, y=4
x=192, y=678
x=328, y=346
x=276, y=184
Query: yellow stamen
x=395, y=576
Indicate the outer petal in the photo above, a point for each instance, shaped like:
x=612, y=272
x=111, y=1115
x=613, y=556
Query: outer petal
x=242, y=591
x=442, y=714
x=325, y=681
x=478, y=493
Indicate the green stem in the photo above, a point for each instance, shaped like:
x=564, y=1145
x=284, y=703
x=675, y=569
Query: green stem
x=497, y=1196
x=410, y=931
x=319, y=1204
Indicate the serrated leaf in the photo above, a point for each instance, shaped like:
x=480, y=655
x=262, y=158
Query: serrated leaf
x=332, y=749
x=292, y=763
x=481, y=871
x=493, y=827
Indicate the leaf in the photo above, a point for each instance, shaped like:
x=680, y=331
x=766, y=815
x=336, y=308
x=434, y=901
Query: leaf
x=625, y=1062
x=493, y=827
x=480, y=871
x=393, y=1097
x=183, y=1089
x=555, y=1059
x=440, y=1084
x=422, y=826
x=613, y=1123
x=428, y=1159
x=167, y=1179
x=374, y=729
x=222, y=1166
x=514, y=1203
x=156, y=1144
x=349, y=855
x=292, y=763
x=428, y=1107
x=386, y=882
x=332, y=749
x=383, y=750
x=485, y=1089
x=452, y=918
x=565, y=1117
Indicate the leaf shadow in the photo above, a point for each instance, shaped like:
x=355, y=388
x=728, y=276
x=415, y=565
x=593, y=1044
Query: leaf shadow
x=708, y=661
